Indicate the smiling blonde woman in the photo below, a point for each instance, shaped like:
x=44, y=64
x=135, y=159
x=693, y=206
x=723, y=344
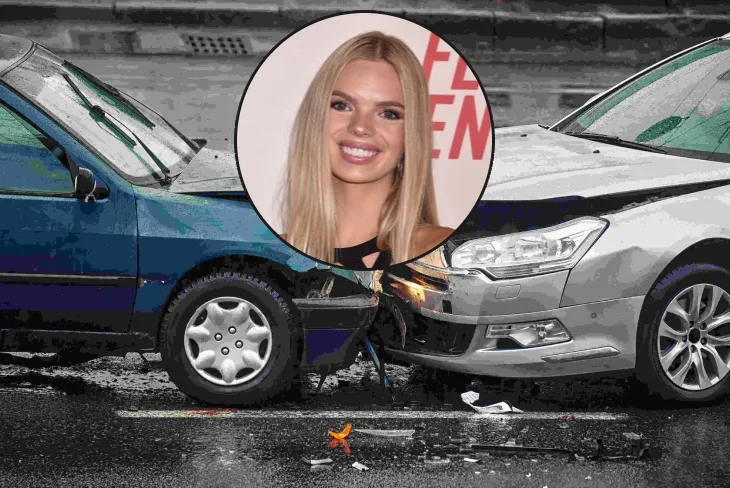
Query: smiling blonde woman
x=359, y=188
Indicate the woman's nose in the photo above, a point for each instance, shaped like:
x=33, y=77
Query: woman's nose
x=361, y=125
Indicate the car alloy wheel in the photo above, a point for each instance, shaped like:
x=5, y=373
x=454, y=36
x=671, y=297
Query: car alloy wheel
x=228, y=341
x=693, y=340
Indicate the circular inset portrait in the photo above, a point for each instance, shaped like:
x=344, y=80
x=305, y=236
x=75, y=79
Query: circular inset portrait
x=363, y=140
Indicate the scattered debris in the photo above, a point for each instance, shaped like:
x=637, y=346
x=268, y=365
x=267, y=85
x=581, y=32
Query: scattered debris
x=342, y=435
x=435, y=461
x=492, y=472
x=511, y=443
x=529, y=475
x=471, y=460
x=359, y=467
x=316, y=462
x=588, y=478
x=567, y=418
x=511, y=447
x=477, y=472
x=335, y=443
x=387, y=433
x=470, y=397
x=638, y=450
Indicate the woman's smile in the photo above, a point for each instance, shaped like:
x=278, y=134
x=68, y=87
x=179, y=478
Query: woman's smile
x=358, y=153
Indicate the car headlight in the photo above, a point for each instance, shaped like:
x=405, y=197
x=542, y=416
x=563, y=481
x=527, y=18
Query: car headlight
x=530, y=253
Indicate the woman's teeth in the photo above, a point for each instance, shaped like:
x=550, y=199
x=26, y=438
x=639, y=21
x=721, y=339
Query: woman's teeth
x=357, y=152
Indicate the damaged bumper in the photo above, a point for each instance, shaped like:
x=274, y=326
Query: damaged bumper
x=333, y=329
x=453, y=321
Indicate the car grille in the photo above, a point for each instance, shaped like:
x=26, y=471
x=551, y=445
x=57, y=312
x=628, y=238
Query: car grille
x=429, y=336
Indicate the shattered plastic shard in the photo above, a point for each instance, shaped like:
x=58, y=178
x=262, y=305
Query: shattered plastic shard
x=342, y=434
x=387, y=433
x=470, y=397
x=359, y=467
x=317, y=461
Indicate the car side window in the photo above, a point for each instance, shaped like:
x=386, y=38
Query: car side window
x=30, y=162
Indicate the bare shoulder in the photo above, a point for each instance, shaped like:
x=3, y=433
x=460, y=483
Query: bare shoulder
x=430, y=236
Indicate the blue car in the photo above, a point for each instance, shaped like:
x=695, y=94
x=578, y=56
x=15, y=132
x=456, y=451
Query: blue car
x=119, y=234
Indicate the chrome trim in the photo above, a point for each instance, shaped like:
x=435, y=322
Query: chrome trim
x=599, y=352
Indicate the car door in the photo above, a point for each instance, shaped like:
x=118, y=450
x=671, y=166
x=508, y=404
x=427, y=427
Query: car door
x=65, y=263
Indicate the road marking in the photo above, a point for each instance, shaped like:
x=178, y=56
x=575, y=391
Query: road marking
x=227, y=413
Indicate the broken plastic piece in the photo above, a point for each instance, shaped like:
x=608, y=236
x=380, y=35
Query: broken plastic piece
x=470, y=397
x=317, y=461
x=435, y=461
x=387, y=433
x=513, y=448
x=471, y=460
x=335, y=443
x=341, y=435
x=359, y=467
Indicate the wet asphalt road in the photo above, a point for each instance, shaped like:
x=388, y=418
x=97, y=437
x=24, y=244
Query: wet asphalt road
x=95, y=425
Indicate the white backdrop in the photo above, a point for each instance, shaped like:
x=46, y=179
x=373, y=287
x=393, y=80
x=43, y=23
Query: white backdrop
x=462, y=125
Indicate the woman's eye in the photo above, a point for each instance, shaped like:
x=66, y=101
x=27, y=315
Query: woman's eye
x=338, y=105
x=392, y=115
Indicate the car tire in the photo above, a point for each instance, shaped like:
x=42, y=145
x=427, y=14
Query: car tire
x=222, y=310
x=689, y=344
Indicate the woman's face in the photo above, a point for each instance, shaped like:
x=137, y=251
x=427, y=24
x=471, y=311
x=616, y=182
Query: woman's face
x=366, y=122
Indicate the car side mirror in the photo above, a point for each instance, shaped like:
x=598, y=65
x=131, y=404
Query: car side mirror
x=87, y=187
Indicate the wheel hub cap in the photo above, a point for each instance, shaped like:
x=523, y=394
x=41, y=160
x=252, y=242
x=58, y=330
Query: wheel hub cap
x=694, y=337
x=228, y=341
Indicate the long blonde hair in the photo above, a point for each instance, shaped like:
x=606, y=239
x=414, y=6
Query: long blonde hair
x=309, y=204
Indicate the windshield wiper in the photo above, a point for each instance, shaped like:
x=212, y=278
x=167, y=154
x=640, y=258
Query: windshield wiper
x=112, y=91
x=616, y=141
x=98, y=111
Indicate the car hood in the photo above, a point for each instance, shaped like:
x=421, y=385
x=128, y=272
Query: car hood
x=210, y=171
x=533, y=163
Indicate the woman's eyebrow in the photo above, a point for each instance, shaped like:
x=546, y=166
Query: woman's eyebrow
x=387, y=103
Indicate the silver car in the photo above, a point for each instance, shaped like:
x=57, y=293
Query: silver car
x=601, y=244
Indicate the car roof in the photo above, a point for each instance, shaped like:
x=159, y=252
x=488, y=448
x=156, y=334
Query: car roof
x=12, y=50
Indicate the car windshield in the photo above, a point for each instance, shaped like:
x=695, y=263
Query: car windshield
x=682, y=106
x=132, y=139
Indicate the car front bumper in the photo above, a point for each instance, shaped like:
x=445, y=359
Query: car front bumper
x=333, y=329
x=442, y=321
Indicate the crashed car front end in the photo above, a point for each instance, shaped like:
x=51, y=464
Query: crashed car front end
x=554, y=286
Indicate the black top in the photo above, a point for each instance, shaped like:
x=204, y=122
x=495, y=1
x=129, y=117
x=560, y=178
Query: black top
x=351, y=257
